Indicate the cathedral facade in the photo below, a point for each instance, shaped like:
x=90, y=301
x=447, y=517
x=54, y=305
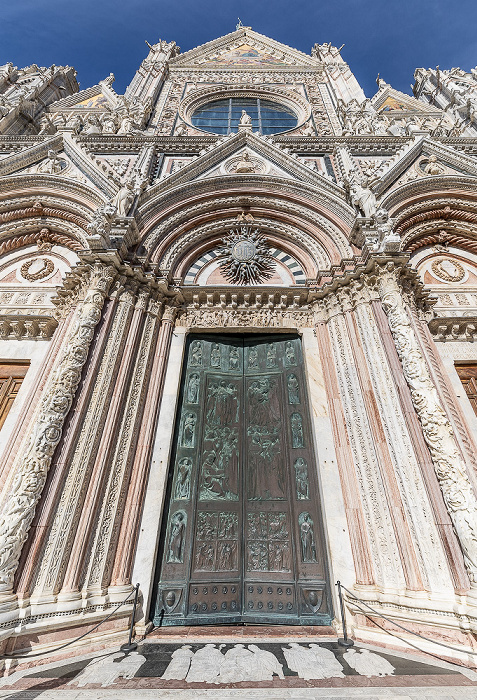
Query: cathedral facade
x=238, y=313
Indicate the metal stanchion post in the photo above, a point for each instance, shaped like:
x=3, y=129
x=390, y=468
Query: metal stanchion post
x=343, y=642
x=131, y=646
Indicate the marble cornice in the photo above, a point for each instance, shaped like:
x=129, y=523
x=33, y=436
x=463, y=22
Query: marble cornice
x=452, y=328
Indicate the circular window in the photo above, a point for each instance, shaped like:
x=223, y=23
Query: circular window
x=223, y=116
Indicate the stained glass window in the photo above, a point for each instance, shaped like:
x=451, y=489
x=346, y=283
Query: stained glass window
x=223, y=116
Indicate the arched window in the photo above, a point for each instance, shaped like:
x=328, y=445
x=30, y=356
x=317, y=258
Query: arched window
x=223, y=116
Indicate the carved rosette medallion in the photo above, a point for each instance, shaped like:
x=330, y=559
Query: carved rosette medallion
x=31, y=470
x=247, y=258
x=35, y=270
x=448, y=464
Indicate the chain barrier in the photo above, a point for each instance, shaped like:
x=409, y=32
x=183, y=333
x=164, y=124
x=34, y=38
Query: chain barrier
x=125, y=647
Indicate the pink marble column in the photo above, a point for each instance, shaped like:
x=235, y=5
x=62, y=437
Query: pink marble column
x=109, y=430
x=122, y=569
x=45, y=509
x=349, y=482
x=408, y=556
x=442, y=518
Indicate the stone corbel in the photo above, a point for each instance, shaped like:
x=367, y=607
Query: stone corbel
x=31, y=467
x=450, y=469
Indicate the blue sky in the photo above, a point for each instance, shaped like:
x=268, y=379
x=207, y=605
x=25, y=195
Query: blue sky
x=103, y=36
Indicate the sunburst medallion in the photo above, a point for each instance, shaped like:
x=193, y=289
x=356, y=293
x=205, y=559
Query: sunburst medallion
x=247, y=258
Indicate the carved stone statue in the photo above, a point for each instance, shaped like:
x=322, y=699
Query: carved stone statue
x=124, y=197
x=52, y=165
x=245, y=165
x=362, y=196
x=433, y=167
x=245, y=119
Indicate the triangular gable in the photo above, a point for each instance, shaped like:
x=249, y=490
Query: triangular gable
x=409, y=158
x=393, y=102
x=284, y=164
x=93, y=102
x=243, y=48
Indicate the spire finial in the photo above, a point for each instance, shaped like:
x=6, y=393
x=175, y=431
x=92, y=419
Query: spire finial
x=239, y=24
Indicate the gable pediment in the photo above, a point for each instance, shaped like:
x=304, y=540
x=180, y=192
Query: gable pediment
x=243, y=48
x=247, y=154
x=424, y=158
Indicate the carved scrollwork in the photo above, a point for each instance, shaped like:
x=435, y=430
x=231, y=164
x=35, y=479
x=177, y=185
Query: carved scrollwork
x=32, y=468
x=448, y=464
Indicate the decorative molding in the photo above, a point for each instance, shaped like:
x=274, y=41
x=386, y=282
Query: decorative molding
x=26, y=326
x=449, y=466
x=30, y=472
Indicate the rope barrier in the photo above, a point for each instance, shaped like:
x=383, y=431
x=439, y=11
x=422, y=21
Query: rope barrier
x=135, y=590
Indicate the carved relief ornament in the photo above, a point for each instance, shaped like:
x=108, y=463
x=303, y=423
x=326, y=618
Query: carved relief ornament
x=448, y=464
x=31, y=470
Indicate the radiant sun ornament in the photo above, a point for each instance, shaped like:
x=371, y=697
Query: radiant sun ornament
x=247, y=258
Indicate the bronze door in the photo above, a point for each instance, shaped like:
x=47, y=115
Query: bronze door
x=243, y=539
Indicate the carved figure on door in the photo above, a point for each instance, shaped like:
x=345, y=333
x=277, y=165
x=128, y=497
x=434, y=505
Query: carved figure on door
x=277, y=526
x=301, y=479
x=297, y=430
x=215, y=356
x=196, y=354
x=204, y=560
x=307, y=537
x=290, y=358
x=193, y=388
x=182, y=489
x=279, y=556
x=234, y=358
x=228, y=526
x=272, y=355
x=257, y=559
x=177, y=537
x=253, y=358
x=227, y=556
x=293, y=389
x=214, y=482
x=188, y=430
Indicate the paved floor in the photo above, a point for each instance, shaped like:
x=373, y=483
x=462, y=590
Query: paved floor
x=275, y=669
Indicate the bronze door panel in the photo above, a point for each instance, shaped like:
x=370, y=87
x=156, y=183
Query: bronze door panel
x=243, y=539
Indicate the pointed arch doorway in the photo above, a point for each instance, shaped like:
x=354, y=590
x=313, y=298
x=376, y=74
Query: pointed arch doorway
x=242, y=538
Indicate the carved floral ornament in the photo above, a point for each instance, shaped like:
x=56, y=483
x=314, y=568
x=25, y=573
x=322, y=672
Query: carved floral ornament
x=247, y=258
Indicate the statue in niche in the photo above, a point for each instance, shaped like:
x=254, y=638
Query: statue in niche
x=188, y=430
x=297, y=430
x=293, y=389
x=182, y=488
x=234, y=358
x=177, y=538
x=215, y=356
x=272, y=355
x=301, y=479
x=307, y=537
x=196, y=354
x=290, y=359
x=253, y=358
x=193, y=388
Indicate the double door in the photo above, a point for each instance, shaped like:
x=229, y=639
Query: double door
x=242, y=540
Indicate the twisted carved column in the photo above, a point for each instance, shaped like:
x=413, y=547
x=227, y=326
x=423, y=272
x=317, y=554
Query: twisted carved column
x=438, y=434
x=31, y=470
